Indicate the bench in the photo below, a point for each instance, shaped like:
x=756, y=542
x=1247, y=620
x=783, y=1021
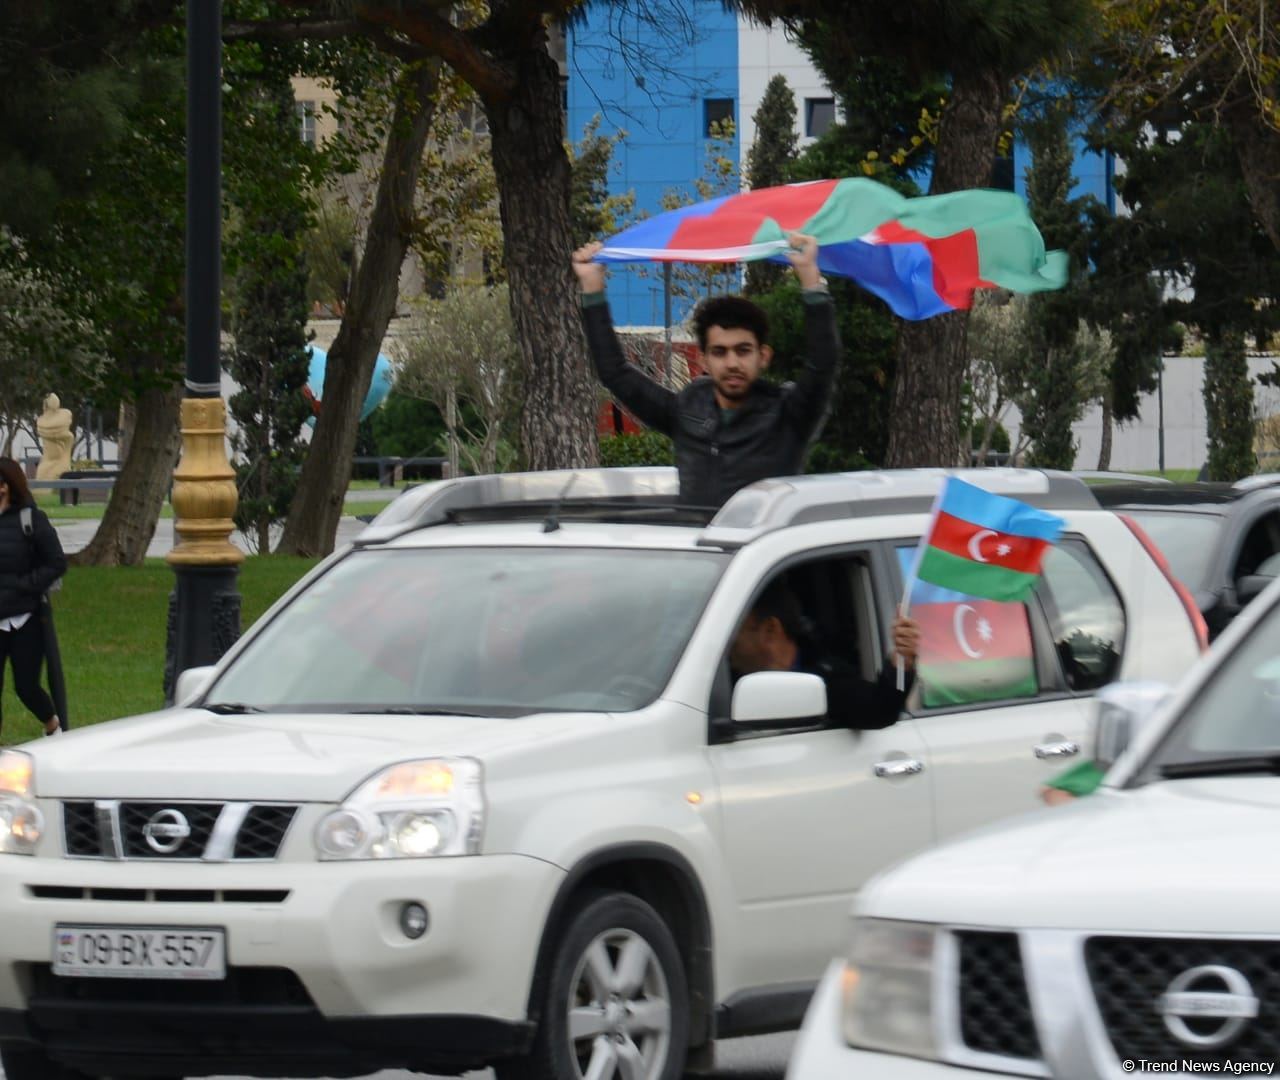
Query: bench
x=391, y=470
x=93, y=486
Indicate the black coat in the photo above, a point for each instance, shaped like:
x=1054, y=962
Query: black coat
x=769, y=433
x=28, y=564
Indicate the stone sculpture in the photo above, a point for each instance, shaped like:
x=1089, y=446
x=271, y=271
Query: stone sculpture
x=54, y=429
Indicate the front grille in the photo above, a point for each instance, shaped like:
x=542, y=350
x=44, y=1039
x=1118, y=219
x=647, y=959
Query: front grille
x=174, y=831
x=995, y=1008
x=80, y=825
x=161, y=896
x=1130, y=975
x=135, y=818
x=262, y=831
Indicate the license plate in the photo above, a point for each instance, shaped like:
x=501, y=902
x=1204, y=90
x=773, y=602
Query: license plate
x=140, y=952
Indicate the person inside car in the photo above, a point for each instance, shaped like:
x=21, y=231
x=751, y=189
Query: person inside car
x=775, y=636
x=730, y=427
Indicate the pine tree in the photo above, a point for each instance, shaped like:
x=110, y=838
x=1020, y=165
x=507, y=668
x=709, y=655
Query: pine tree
x=1057, y=383
x=269, y=360
x=771, y=154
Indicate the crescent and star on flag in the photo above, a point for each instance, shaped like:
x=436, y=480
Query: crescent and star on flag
x=975, y=546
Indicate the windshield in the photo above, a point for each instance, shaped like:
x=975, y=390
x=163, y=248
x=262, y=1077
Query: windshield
x=1237, y=713
x=1188, y=541
x=492, y=631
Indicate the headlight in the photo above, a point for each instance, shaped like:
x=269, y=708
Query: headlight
x=888, y=988
x=21, y=823
x=413, y=810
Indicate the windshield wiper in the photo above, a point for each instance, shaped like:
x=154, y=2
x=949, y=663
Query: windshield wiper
x=412, y=710
x=1239, y=765
x=231, y=708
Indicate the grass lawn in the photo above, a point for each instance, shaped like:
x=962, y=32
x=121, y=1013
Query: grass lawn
x=1178, y=476
x=111, y=626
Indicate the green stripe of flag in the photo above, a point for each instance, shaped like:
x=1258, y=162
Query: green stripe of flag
x=973, y=578
x=969, y=681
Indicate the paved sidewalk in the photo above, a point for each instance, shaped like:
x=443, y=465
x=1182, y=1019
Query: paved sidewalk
x=77, y=534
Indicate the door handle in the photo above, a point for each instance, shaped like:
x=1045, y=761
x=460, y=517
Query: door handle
x=1065, y=748
x=897, y=767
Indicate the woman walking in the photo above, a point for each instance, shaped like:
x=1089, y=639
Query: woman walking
x=31, y=560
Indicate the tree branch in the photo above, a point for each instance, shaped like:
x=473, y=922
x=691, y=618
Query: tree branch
x=291, y=30
x=456, y=47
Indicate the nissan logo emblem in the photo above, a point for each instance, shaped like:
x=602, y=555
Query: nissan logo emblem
x=166, y=831
x=1206, y=994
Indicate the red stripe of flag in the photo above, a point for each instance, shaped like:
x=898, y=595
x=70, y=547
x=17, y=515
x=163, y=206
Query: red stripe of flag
x=987, y=629
x=737, y=221
x=955, y=260
x=977, y=543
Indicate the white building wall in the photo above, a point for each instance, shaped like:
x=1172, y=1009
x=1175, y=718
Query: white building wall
x=762, y=54
x=1136, y=445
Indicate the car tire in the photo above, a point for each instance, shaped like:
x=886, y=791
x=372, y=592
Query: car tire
x=615, y=1002
x=26, y=1062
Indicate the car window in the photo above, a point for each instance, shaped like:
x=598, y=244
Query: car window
x=1187, y=540
x=1258, y=551
x=1085, y=615
x=1238, y=710
x=829, y=616
x=972, y=650
x=483, y=630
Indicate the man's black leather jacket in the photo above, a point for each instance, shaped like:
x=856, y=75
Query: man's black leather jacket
x=767, y=436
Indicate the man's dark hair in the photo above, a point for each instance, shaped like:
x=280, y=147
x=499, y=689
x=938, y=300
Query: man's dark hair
x=730, y=313
x=779, y=601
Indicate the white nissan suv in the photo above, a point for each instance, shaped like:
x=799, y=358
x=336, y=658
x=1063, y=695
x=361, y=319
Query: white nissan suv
x=481, y=788
x=1135, y=931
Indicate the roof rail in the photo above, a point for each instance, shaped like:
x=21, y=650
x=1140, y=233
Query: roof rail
x=432, y=503
x=1106, y=476
x=768, y=505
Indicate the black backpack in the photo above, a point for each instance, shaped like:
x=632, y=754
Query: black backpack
x=27, y=518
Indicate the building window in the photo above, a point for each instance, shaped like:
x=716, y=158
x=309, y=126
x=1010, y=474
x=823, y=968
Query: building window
x=819, y=115
x=1002, y=176
x=716, y=111
x=307, y=121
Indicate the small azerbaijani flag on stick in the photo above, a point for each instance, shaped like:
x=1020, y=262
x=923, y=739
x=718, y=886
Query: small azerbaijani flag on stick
x=983, y=544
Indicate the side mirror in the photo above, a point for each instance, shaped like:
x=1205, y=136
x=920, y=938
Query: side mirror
x=1249, y=586
x=1122, y=711
x=771, y=699
x=192, y=683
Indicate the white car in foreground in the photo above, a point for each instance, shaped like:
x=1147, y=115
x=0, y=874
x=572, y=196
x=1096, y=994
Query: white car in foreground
x=481, y=789
x=1135, y=931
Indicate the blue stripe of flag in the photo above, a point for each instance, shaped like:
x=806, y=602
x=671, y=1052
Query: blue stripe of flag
x=656, y=232
x=979, y=507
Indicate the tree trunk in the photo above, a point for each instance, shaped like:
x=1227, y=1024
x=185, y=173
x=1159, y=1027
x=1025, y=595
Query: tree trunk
x=128, y=421
x=312, y=525
x=1104, y=452
x=140, y=490
x=931, y=358
x=1228, y=405
x=557, y=423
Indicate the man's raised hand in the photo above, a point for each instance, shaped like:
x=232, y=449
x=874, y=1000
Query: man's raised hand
x=803, y=254
x=590, y=274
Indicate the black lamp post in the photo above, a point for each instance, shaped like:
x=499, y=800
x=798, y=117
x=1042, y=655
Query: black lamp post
x=204, y=608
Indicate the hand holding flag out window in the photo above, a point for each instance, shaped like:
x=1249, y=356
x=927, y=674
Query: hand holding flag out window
x=982, y=544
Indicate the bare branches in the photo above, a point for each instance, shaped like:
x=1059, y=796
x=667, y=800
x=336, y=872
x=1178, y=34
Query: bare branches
x=426, y=27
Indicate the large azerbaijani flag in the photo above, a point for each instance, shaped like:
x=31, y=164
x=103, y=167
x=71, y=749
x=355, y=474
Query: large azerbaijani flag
x=922, y=256
x=985, y=545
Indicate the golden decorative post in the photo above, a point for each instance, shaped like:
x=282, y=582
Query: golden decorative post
x=204, y=489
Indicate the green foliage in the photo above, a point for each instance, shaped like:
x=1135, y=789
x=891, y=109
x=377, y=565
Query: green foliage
x=330, y=251
x=769, y=161
x=405, y=426
x=857, y=428
x=999, y=441
x=641, y=448
x=269, y=360
x=460, y=353
x=593, y=212
x=1228, y=404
